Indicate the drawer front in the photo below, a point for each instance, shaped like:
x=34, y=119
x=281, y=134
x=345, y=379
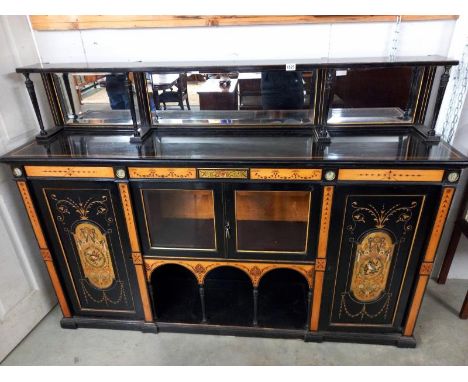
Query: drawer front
x=378, y=236
x=87, y=232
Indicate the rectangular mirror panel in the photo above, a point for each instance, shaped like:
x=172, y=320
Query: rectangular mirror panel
x=253, y=98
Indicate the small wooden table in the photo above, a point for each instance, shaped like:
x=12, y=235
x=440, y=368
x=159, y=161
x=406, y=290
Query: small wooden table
x=214, y=97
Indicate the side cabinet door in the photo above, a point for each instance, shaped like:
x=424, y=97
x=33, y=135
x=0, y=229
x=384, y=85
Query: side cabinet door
x=87, y=233
x=379, y=232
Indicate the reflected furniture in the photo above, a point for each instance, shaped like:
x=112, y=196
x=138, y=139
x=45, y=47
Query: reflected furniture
x=215, y=97
x=320, y=224
x=165, y=84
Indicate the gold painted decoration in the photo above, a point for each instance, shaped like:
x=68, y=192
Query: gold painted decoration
x=285, y=173
x=374, y=255
x=94, y=254
x=69, y=172
x=439, y=223
x=162, y=173
x=386, y=175
x=255, y=271
x=222, y=173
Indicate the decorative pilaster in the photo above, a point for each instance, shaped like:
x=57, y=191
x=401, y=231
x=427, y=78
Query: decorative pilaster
x=426, y=266
x=45, y=253
x=321, y=262
x=136, y=253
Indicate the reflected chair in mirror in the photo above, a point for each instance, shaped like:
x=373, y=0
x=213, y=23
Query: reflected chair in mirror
x=169, y=94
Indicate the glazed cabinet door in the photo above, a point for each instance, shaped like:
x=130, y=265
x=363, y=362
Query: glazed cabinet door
x=275, y=221
x=376, y=240
x=87, y=234
x=179, y=219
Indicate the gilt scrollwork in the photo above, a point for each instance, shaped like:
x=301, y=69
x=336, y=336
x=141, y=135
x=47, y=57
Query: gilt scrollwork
x=381, y=215
x=83, y=209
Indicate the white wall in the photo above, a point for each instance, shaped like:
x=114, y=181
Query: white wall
x=243, y=42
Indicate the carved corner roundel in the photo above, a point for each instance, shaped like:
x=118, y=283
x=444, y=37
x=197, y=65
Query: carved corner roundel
x=372, y=265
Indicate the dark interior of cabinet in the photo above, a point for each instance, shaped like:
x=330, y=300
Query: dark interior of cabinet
x=282, y=297
x=229, y=297
x=282, y=300
x=175, y=294
x=178, y=218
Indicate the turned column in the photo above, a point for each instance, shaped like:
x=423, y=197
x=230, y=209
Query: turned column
x=66, y=81
x=32, y=95
x=444, y=79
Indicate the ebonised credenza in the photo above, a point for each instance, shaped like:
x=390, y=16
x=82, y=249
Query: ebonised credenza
x=312, y=208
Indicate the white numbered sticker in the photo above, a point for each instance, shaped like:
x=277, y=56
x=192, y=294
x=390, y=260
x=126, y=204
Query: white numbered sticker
x=290, y=67
x=341, y=73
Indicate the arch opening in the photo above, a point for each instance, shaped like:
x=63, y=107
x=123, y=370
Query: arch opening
x=282, y=299
x=229, y=297
x=175, y=294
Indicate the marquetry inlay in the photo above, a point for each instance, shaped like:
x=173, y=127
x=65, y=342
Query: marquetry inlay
x=415, y=305
x=254, y=270
x=137, y=259
x=23, y=188
x=439, y=223
x=44, y=250
x=223, y=173
x=69, y=172
x=162, y=173
x=325, y=221
x=135, y=246
x=426, y=268
x=320, y=265
x=285, y=173
x=385, y=175
x=128, y=212
x=45, y=253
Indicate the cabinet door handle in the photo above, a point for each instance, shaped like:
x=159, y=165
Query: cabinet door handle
x=227, y=230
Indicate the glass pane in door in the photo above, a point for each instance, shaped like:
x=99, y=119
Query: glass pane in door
x=180, y=219
x=272, y=221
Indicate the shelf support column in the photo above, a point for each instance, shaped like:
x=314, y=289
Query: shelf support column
x=255, y=301
x=66, y=81
x=201, y=290
x=33, y=97
x=128, y=82
x=444, y=79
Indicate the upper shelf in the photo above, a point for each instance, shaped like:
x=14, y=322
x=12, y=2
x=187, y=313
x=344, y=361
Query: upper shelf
x=235, y=65
x=273, y=148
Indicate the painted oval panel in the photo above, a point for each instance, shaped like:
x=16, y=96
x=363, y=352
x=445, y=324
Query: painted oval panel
x=372, y=265
x=94, y=255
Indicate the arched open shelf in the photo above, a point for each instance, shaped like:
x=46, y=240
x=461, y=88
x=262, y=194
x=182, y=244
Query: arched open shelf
x=229, y=297
x=175, y=294
x=282, y=299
